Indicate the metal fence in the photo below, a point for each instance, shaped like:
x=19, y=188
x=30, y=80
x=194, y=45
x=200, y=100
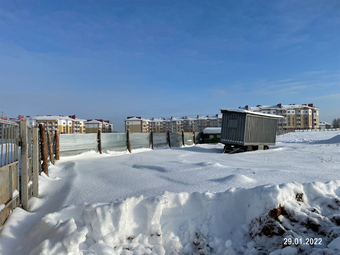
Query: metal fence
x=77, y=143
x=318, y=130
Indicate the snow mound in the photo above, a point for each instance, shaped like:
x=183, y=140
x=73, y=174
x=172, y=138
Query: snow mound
x=211, y=164
x=335, y=139
x=238, y=221
x=235, y=178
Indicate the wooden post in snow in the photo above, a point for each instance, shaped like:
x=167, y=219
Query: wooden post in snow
x=56, y=142
x=24, y=168
x=43, y=148
x=35, y=161
x=151, y=138
x=50, y=147
x=99, y=139
x=128, y=145
x=168, y=136
x=183, y=143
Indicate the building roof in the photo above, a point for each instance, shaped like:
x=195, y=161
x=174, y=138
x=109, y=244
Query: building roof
x=212, y=130
x=136, y=118
x=279, y=107
x=47, y=117
x=93, y=122
x=250, y=112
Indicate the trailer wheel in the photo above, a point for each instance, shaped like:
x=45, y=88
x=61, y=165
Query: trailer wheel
x=249, y=148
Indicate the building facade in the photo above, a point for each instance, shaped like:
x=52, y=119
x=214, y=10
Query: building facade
x=65, y=124
x=172, y=124
x=137, y=124
x=92, y=126
x=296, y=117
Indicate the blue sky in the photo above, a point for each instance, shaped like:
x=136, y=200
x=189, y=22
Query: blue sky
x=113, y=59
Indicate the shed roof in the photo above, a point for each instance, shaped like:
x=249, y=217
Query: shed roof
x=250, y=112
x=212, y=130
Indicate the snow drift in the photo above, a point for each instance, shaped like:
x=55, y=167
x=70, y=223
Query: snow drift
x=238, y=221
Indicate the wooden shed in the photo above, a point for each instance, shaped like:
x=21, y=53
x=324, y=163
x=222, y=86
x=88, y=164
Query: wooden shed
x=247, y=130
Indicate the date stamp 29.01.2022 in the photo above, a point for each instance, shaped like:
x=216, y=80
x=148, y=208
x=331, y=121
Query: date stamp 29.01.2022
x=302, y=241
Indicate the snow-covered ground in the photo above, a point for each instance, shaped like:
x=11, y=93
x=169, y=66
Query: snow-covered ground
x=189, y=200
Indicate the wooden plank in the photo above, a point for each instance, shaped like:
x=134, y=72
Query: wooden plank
x=193, y=131
x=2, y=140
x=12, y=144
x=35, y=162
x=99, y=139
x=168, y=137
x=9, y=140
x=56, y=142
x=4, y=196
x=128, y=145
x=6, y=154
x=17, y=202
x=10, y=185
x=151, y=138
x=43, y=148
x=50, y=147
x=183, y=142
x=24, y=162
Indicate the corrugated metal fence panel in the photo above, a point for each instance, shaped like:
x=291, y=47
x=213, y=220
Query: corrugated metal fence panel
x=176, y=139
x=233, y=128
x=140, y=140
x=159, y=140
x=78, y=143
x=113, y=141
x=188, y=138
x=260, y=130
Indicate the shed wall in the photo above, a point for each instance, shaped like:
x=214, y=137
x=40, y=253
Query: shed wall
x=260, y=130
x=233, y=128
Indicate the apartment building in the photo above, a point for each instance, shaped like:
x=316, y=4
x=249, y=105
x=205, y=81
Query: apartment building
x=65, y=124
x=296, y=117
x=92, y=126
x=189, y=124
x=157, y=125
x=172, y=124
x=137, y=124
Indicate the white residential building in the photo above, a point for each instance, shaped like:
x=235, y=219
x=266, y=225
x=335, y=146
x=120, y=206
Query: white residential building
x=296, y=116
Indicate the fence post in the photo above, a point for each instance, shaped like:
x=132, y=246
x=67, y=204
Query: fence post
x=35, y=162
x=151, y=138
x=50, y=147
x=56, y=142
x=17, y=135
x=43, y=148
x=193, y=132
x=128, y=145
x=24, y=161
x=99, y=140
x=168, y=136
x=2, y=141
x=183, y=143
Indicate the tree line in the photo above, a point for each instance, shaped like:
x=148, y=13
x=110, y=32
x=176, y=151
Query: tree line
x=336, y=123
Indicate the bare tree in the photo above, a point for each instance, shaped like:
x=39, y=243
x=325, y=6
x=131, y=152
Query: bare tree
x=336, y=123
